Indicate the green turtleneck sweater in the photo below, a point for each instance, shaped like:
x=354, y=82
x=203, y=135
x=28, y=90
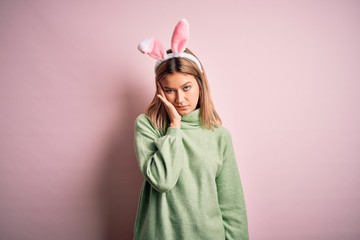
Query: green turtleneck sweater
x=192, y=188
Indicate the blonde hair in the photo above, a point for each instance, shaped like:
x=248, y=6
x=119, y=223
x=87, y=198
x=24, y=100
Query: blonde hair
x=156, y=110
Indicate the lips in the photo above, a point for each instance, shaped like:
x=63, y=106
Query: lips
x=182, y=107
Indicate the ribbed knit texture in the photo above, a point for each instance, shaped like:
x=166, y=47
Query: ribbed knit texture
x=192, y=188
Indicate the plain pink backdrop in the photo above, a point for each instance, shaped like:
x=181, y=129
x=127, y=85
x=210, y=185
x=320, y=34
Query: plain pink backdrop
x=285, y=77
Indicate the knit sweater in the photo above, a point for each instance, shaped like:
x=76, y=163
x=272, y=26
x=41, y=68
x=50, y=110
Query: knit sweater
x=192, y=188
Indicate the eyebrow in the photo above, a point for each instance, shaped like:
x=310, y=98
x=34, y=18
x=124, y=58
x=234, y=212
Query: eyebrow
x=180, y=86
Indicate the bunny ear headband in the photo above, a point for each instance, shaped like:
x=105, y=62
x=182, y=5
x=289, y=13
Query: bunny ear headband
x=180, y=37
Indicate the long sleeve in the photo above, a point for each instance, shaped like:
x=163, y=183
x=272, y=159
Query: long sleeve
x=160, y=158
x=230, y=197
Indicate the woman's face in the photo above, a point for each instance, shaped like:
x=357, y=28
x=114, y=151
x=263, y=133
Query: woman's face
x=182, y=90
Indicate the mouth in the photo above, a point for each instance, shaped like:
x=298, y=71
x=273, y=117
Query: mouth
x=182, y=107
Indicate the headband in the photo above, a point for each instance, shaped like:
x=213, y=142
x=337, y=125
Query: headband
x=180, y=37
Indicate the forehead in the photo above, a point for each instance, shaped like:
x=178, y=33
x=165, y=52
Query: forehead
x=177, y=79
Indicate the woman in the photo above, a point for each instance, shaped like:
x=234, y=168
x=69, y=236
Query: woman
x=192, y=188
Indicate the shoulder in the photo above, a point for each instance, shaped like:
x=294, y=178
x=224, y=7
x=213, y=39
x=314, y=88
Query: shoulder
x=144, y=124
x=224, y=138
x=225, y=141
x=142, y=119
x=222, y=132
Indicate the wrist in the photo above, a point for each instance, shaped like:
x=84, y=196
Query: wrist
x=175, y=125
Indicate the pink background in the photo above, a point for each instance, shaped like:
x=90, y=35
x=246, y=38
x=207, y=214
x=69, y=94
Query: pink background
x=285, y=77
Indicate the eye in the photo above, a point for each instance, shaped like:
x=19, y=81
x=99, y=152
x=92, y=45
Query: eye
x=168, y=90
x=187, y=88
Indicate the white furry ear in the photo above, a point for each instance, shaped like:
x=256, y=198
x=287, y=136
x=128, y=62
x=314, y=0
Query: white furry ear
x=153, y=48
x=180, y=37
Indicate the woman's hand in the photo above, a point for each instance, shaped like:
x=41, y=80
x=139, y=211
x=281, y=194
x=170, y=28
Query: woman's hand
x=175, y=117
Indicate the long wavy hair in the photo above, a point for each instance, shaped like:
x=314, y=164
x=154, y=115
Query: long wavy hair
x=156, y=110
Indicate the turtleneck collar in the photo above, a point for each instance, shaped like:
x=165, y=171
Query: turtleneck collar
x=191, y=120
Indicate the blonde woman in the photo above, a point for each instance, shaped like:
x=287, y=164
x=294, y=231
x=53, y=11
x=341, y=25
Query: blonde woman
x=192, y=188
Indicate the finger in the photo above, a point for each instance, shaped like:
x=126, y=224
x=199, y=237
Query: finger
x=160, y=90
x=167, y=104
x=170, y=108
x=164, y=100
x=162, y=94
x=160, y=97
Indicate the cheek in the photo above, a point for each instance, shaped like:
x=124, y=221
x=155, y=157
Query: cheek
x=194, y=96
x=170, y=97
x=197, y=94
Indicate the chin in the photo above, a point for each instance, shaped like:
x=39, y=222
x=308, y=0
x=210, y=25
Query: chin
x=185, y=111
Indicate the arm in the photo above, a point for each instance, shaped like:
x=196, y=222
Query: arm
x=160, y=159
x=230, y=196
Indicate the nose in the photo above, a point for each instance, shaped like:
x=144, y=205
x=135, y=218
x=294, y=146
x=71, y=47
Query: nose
x=180, y=97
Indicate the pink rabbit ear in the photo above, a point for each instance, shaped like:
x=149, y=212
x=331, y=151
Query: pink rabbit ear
x=153, y=48
x=180, y=36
